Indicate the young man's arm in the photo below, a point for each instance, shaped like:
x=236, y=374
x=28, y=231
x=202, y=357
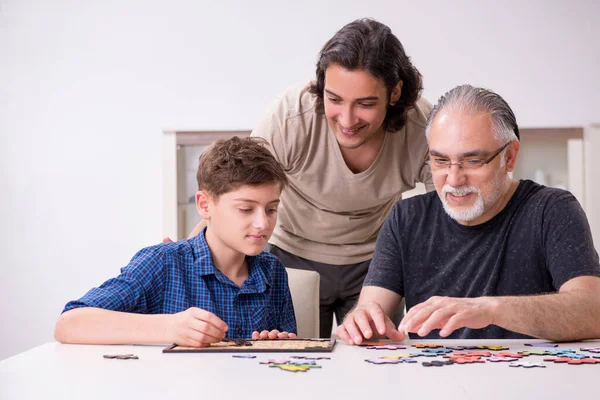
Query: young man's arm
x=371, y=316
x=569, y=315
x=90, y=325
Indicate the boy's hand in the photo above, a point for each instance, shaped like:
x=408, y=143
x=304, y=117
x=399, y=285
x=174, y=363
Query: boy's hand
x=274, y=334
x=195, y=327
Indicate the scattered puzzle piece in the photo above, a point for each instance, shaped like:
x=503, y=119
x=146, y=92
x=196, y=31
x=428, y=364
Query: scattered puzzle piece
x=541, y=344
x=243, y=356
x=387, y=347
x=423, y=355
x=368, y=343
x=461, y=348
x=397, y=356
x=294, y=367
x=427, y=346
x=437, y=351
x=508, y=354
x=591, y=349
x=469, y=354
x=526, y=364
x=310, y=358
x=276, y=361
x=436, y=363
x=502, y=359
x=495, y=348
x=466, y=359
x=572, y=361
x=122, y=356
x=382, y=361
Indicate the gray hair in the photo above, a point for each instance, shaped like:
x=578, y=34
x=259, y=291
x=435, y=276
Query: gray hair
x=469, y=99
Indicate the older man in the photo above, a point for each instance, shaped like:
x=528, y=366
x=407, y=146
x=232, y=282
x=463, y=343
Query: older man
x=486, y=256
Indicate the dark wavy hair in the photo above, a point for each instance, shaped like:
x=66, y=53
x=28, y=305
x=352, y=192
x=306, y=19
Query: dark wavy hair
x=368, y=45
x=228, y=164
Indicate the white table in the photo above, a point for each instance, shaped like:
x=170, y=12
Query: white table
x=58, y=371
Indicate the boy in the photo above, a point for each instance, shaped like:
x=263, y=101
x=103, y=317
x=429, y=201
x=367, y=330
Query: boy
x=218, y=284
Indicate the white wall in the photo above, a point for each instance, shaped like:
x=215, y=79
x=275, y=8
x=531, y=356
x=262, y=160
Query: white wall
x=86, y=89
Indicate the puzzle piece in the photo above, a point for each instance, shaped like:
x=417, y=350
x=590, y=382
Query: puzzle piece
x=461, y=348
x=526, y=364
x=122, y=356
x=572, y=361
x=276, y=361
x=436, y=363
x=509, y=354
x=427, y=346
x=310, y=358
x=591, y=349
x=541, y=344
x=423, y=355
x=437, y=351
x=494, y=348
x=469, y=354
x=243, y=356
x=502, y=359
x=465, y=359
x=294, y=367
x=369, y=343
x=387, y=347
x=398, y=356
x=381, y=361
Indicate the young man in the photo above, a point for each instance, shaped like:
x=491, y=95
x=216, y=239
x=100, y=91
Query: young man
x=486, y=256
x=350, y=143
x=218, y=284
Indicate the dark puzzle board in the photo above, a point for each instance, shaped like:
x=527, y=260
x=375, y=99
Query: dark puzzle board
x=261, y=346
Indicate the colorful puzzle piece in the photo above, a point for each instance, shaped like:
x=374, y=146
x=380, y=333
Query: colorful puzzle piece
x=509, y=354
x=367, y=343
x=398, y=356
x=526, y=364
x=122, y=356
x=310, y=358
x=572, y=361
x=591, y=349
x=387, y=347
x=427, y=346
x=437, y=351
x=243, y=356
x=294, y=367
x=465, y=359
x=541, y=344
x=276, y=361
x=502, y=359
x=461, y=348
x=381, y=361
x=494, y=348
x=470, y=354
x=436, y=363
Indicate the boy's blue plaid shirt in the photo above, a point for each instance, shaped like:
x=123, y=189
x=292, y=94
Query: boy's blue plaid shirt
x=172, y=277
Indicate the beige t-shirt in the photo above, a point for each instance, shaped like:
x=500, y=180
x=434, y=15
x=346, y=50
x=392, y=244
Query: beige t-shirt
x=328, y=213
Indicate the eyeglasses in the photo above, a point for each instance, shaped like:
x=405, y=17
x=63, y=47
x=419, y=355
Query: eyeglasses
x=472, y=163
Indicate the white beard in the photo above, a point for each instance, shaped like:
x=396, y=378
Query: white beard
x=463, y=214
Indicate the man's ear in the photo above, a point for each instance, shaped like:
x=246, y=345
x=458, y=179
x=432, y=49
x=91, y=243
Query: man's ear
x=511, y=155
x=396, y=92
x=202, y=204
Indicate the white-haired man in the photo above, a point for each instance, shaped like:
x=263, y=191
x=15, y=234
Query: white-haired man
x=486, y=256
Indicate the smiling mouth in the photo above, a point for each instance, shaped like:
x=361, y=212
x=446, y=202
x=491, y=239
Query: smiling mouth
x=351, y=132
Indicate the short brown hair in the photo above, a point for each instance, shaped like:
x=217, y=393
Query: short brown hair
x=229, y=164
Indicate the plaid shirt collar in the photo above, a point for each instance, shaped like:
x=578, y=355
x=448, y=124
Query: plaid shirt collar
x=259, y=271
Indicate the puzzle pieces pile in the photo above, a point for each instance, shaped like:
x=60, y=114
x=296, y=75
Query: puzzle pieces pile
x=482, y=354
x=291, y=364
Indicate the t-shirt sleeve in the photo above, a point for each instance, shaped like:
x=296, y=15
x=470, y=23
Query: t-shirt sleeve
x=568, y=243
x=385, y=269
x=139, y=284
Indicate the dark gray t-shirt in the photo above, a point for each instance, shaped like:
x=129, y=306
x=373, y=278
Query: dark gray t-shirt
x=539, y=241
